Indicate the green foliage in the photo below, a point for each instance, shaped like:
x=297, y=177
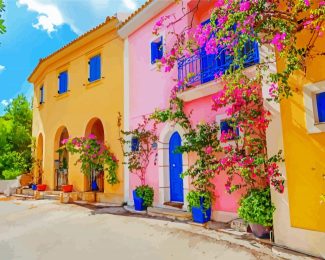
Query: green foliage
x=175, y=114
x=15, y=137
x=146, y=193
x=12, y=164
x=257, y=207
x=2, y=9
x=194, y=199
x=94, y=156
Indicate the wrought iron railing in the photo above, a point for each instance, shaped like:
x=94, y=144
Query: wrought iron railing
x=201, y=68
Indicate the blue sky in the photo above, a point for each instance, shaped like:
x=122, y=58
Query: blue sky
x=36, y=28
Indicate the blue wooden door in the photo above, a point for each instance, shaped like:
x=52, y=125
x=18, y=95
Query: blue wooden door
x=175, y=169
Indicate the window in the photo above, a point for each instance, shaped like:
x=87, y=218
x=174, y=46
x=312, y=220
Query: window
x=225, y=127
x=63, y=82
x=41, y=95
x=156, y=49
x=94, y=68
x=134, y=144
x=320, y=104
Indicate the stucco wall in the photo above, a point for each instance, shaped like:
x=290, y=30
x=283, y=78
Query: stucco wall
x=83, y=102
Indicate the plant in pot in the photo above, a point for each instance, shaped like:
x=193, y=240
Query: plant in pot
x=141, y=146
x=94, y=156
x=257, y=209
x=201, y=140
x=244, y=157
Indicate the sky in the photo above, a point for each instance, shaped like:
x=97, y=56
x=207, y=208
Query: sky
x=36, y=28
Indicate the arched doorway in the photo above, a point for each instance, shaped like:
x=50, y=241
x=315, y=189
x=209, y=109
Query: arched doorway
x=95, y=182
x=39, y=160
x=172, y=188
x=61, y=159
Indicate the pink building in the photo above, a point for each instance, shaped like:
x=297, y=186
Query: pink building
x=147, y=89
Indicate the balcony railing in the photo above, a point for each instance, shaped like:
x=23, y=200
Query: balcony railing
x=202, y=68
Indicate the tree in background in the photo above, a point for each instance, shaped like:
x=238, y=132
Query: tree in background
x=2, y=27
x=15, y=138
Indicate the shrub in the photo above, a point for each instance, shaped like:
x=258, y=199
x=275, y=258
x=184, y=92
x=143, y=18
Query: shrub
x=194, y=199
x=11, y=174
x=257, y=207
x=146, y=193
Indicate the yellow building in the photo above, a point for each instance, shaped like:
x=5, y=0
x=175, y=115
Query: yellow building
x=298, y=128
x=78, y=90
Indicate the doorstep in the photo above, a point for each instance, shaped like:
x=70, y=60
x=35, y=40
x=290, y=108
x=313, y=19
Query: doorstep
x=169, y=213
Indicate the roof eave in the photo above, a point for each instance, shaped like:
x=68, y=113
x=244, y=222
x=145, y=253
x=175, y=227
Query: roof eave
x=148, y=12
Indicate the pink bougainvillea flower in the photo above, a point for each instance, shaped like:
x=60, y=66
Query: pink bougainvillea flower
x=64, y=141
x=92, y=136
x=209, y=149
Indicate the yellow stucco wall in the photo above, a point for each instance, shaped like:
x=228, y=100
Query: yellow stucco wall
x=83, y=102
x=304, y=152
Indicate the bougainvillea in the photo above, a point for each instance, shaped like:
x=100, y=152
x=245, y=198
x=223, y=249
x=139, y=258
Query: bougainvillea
x=94, y=156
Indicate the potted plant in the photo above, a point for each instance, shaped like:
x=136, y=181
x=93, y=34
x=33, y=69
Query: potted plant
x=142, y=144
x=143, y=197
x=41, y=187
x=257, y=209
x=67, y=188
x=200, y=206
x=203, y=141
x=95, y=158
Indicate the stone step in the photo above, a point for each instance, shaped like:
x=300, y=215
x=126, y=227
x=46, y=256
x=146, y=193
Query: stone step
x=169, y=213
x=239, y=225
x=29, y=192
x=51, y=197
x=52, y=192
x=21, y=196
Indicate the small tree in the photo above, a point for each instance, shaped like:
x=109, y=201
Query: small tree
x=94, y=156
x=2, y=26
x=143, y=143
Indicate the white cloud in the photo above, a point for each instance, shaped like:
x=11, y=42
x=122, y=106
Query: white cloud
x=2, y=68
x=49, y=15
x=130, y=4
x=5, y=102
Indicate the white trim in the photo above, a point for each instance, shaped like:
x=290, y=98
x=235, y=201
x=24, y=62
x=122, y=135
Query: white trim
x=150, y=11
x=163, y=164
x=126, y=117
x=309, y=92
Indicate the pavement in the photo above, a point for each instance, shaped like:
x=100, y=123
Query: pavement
x=46, y=229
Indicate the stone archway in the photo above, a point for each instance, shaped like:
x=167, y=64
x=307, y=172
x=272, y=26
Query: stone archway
x=95, y=127
x=39, y=159
x=164, y=164
x=61, y=159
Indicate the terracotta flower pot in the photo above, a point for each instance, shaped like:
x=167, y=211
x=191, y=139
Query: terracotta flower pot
x=67, y=188
x=41, y=187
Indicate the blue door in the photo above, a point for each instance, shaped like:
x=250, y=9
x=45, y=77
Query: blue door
x=175, y=169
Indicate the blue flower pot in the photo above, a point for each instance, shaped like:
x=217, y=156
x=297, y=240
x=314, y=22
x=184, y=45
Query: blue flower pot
x=94, y=185
x=200, y=215
x=138, y=202
x=34, y=187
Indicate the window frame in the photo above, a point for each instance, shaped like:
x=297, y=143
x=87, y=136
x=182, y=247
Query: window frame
x=153, y=40
x=310, y=104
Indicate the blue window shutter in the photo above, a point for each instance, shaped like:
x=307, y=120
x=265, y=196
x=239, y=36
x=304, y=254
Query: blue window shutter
x=63, y=82
x=153, y=52
x=42, y=95
x=94, y=68
x=320, y=100
x=134, y=144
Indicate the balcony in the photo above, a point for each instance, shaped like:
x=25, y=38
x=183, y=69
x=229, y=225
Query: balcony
x=201, y=68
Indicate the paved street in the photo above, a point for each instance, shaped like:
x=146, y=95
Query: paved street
x=49, y=230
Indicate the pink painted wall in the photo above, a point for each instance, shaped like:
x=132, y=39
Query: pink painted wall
x=150, y=89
